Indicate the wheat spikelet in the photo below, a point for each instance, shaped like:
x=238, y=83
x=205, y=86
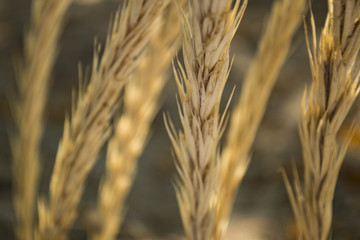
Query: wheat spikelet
x=40, y=50
x=207, y=36
x=88, y=129
x=132, y=129
x=258, y=84
x=333, y=91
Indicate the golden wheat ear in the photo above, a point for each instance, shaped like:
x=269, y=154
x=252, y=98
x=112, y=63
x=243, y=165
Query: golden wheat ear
x=87, y=130
x=207, y=34
x=324, y=108
x=246, y=117
x=141, y=103
x=40, y=51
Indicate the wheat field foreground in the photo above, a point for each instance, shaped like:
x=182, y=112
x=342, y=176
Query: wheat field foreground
x=261, y=209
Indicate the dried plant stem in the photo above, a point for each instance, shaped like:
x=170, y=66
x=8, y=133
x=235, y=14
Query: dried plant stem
x=88, y=129
x=258, y=84
x=40, y=50
x=207, y=36
x=132, y=128
x=333, y=91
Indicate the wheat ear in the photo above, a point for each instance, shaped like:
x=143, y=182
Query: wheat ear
x=40, y=50
x=132, y=129
x=248, y=112
x=333, y=91
x=207, y=35
x=88, y=129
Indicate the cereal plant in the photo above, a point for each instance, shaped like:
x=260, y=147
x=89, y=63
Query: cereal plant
x=152, y=44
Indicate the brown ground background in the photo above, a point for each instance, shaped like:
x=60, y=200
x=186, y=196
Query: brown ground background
x=261, y=210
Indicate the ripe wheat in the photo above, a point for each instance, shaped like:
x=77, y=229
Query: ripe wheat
x=40, y=50
x=207, y=34
x=132, y=129
x=246, y=117
x=88, y=128
x=145, y=30
x=333, y=91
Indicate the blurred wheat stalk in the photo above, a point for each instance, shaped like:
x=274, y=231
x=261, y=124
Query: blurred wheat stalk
x=141, y=98
x=246, y=117
x=332, y=93
x=88, y=128
x=40, y=50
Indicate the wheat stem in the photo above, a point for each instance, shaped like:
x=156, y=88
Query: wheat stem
x=207, y=35
x=40, y=50
x=88, y=128
x=132, y=128
x=258, y=84
x=332, y=93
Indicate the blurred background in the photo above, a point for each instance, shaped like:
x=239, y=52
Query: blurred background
x=261, y=210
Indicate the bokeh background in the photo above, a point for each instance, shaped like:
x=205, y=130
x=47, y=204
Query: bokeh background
x=261, y=210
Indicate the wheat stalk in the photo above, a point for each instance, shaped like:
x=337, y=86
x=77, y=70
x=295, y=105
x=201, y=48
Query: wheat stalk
x=88, y=128
x=40, y=50
x=333, y=91
x=132, y=128
x=207, y=35
x=258, y=84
